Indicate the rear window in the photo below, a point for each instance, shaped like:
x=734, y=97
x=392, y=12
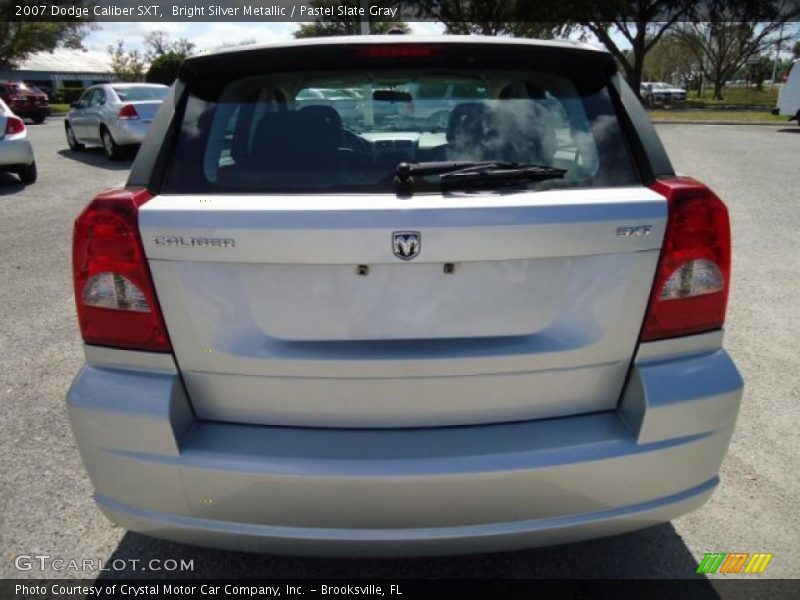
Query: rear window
x=23, y=88
x=346, y=131
x=140, y=93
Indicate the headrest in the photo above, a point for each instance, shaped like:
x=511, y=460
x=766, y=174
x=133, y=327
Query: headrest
x=322, y=123
x=467, y=119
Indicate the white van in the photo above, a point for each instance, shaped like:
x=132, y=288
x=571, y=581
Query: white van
x=789, y=96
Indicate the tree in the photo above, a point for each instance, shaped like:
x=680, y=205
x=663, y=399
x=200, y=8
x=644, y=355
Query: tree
x=165, y=56
x=158, y=43
x=733, y=32
x=493, y=17
x=164, y=69
x=326, y=28
x=757, y=72
x=160, y=62
x=796, y=50
x=344, y=25
x=642, y=23
x=127, y=66
x=18, y=40
x=672, y=59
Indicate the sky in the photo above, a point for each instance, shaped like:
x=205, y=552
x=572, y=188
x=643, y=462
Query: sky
x=206, y=36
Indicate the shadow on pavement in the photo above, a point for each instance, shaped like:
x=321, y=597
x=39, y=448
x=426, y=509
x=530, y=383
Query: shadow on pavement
x=94, y=157
x=789, y=130
x=657, y=552
x=10, y=184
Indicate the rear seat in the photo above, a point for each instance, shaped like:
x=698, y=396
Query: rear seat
x=289, y=141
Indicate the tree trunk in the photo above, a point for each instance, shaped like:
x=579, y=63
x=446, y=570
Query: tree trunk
x=633, y=72
x=718, y=90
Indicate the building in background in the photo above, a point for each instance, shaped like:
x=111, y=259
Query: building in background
x=62, y=68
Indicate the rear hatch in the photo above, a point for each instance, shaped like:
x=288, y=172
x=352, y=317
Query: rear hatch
x=298, y=288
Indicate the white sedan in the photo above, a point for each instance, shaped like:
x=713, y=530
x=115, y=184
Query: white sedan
x=16, y=153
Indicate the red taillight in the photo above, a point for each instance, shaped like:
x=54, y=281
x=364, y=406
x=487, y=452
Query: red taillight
x=398, y=50
x=128, y=112
x=114, y=293
x=14, y=125
x=690, y=292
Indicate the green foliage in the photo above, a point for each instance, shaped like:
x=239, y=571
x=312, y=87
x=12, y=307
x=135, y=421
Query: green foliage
x=67, y=95
x=164, y=69
x=19, y=40
x=629, y=29
x=641, y=23
x=742, y=94
x=757, y=72
x=731, y=116
x=673, y=61
x=163, y=55
x=724, y=48
x=158, y=44
x=327, y=28
x=126, y=66
x=520, y=18
x=59, y=108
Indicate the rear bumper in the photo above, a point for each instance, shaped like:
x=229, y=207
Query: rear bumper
x=158, y=471
x=29, y=109
x=15, y=152
x=128, y=132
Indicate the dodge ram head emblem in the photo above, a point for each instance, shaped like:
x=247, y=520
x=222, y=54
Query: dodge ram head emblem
x=406, y=244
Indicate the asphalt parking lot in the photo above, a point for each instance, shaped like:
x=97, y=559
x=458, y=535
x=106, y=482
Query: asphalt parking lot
x=45, y=496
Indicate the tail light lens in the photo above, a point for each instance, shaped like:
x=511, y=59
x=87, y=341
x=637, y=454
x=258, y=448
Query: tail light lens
x=14, y=125
x=398, y=51
x=690, y=292
x=114, y=293
x=128, y=112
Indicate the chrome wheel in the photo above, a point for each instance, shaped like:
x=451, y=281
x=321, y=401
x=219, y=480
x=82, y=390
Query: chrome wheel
x=108, y=144
x=73, y=142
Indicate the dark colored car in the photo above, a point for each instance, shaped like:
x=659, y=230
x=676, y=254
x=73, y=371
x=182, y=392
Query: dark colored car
x=26, y=101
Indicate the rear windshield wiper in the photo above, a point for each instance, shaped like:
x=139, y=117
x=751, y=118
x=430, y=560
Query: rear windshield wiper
x=460, y=174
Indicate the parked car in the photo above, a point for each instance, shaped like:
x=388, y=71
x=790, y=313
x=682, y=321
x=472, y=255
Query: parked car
x=659, y=91
x=26, y=101
x=651, y=93
x=346, y=102
x=302, y=337
x=789, y=94
x=435, y=100
x=116, y=116
x=16, y=153
x=675, y=93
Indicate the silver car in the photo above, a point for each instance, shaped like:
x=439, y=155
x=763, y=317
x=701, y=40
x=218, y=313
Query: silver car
x=673, y=92
x=308, y=334
x=115, y=116
x=16, y=152
x=653, y=92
